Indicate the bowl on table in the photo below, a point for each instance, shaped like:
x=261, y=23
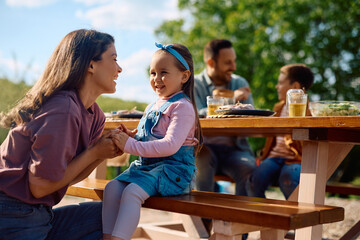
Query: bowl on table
x=334, y=108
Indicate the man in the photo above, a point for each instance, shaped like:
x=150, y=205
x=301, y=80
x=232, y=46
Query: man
x=281, y=155
x=231, y=156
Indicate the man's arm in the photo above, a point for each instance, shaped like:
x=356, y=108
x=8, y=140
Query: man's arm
x=200, y=93
x=242, y=90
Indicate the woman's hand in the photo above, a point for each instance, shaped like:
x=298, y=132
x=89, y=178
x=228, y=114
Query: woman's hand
x=105, y=147
x=79, y=168
x=120, y=140
x=241, y=94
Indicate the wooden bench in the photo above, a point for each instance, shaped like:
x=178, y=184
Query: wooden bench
x=343, y=188
x=331, y=187
x=232, y=215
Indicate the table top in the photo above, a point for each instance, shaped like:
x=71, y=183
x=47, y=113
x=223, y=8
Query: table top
x=270, y=126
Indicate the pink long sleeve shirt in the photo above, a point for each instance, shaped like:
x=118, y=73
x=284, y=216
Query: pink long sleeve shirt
x=177, y=125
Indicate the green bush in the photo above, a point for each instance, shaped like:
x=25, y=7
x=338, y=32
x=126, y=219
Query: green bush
x=108, y=104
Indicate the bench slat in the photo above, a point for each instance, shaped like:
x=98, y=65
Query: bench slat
x=343, y=188
x=331, y=187
x=278, y=214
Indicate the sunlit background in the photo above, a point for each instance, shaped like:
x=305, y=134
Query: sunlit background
x=31, y=29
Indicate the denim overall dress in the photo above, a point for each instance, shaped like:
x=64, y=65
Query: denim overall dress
x=165, y=176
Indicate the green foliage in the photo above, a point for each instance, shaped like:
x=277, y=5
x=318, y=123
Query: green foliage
x=10, y=94
x=269, y=34
x=324, y=34
x=3, y=134
x=256, y=144
x=112, y=172
x=108, y=104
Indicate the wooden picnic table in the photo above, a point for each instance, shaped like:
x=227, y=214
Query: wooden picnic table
x=327, y=140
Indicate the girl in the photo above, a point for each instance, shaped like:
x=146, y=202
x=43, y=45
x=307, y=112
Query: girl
x=165, y=139
x=55, y=141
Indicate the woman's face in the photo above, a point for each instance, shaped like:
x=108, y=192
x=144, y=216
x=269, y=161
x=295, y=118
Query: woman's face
x=106, y=71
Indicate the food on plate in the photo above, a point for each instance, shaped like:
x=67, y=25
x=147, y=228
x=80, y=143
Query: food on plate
x=237, y=106
x=133, y=113
x=334, y=108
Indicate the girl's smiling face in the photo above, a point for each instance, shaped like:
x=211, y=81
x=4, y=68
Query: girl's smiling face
x=165, y=77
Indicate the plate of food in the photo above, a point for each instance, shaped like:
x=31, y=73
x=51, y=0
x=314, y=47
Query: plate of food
x=133, y=113
x=130, y=115
x=242, y=109
x=254, y=112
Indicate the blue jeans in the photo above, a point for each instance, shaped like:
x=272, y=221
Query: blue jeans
x=19, y=220
x=274, y=170
x=225, y=160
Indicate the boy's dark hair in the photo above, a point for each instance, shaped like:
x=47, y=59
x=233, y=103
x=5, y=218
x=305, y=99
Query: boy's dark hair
x=299, y=73
x=212, y=48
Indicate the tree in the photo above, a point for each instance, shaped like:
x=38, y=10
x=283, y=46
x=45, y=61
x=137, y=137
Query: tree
x=324, y=34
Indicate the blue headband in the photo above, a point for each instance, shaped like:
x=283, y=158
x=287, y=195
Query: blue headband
x=174, y=53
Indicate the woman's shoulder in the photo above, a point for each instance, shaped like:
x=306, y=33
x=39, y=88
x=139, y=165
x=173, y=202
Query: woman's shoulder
x=63, y=102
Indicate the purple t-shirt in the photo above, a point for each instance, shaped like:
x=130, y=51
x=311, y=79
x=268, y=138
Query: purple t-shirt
x=60, y=131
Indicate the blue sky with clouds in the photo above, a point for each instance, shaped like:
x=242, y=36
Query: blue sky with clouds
x=31, y=29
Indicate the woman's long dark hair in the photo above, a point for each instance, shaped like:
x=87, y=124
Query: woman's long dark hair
x=65, y=70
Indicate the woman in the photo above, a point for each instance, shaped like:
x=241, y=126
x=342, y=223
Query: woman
x=55, y=141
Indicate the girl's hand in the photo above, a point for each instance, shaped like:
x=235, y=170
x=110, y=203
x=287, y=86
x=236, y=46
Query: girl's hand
x=120, y=140
x=105, y=147
x=127, y=131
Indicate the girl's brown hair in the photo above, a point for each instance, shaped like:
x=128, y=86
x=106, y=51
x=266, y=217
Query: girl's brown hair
x=65, y=70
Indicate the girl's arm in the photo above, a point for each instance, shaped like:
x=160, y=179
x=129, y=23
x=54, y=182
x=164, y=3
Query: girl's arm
x=181, y=123
x=77, y=169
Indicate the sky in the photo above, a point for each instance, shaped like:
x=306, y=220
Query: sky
x=31, y=29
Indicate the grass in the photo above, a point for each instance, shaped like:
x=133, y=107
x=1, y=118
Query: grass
x=112, y=172
x=108, y=104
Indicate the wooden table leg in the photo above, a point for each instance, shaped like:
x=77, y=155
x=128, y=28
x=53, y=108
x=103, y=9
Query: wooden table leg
x=312, y=182
x=319, y=161
x=272, y=234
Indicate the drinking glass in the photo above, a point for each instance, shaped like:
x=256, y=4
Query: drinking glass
x=296, y=101
x=213, y=103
